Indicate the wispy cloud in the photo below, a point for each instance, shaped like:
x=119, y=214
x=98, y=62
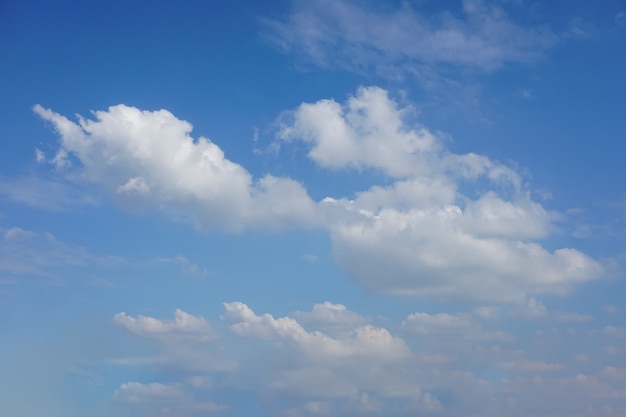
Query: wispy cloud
x=362, y=35
x=45, y=193
x=183, y=325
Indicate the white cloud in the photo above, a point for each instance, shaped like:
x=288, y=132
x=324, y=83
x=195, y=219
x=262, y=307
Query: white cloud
x=367, y=132
x=164, y=398
x=417, y=236
x=136, y=392
x=362, y=341
x=425, y=252
x=491, y=216
x=420, y=235
x=458, y=327
x=533, y=366
x=340, y=364
x=354, y=35
x=184, y=325
x=424, y=323
x=17, y=233
x=334, y=317
x=46, y=194
x=40, y=157
x=309, y=257
x=149, y=159
x=372, y=131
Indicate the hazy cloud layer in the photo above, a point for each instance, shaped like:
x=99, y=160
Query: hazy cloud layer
x=440, y=363
x=366, y=35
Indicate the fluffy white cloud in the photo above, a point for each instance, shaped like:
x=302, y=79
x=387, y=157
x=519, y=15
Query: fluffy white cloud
x=149, y=159
x=416, y=236
x=365, y=340
x=427, y=252
x=354, y=367
x=372, y=131
x=349, y=34
x=184, y=325
x=367, y=132
x=420, y=235
x=334, y=317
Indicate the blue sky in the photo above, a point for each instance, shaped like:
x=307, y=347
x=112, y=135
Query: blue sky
x=314, y=208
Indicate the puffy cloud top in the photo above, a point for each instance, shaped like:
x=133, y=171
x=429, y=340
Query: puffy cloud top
x=148, y=157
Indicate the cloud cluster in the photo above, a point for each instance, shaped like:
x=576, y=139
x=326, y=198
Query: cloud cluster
x=418, y=235
x=363, y=341
x=184, y=325
x=440, y=364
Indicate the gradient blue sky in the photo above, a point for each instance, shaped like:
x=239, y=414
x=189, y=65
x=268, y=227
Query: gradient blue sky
x=310, y=208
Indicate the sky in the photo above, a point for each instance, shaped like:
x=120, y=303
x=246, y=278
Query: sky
x=312, y=208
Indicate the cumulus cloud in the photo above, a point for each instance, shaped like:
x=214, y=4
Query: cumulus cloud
x=420, y=235
x=359, y=35
x=332, y=360
x=367, y=132
x=334, y=317
x=148, y=158
x=427, y=252
x=350, y=366
x=365, y=340
x=183, y=325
